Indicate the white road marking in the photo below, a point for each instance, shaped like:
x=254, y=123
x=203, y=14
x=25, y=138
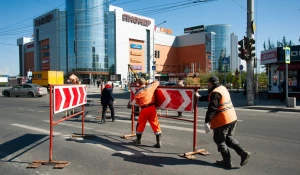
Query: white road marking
x=169, y=127
x=67, y=124
x=265, y=111
x=88, y=142
x=35, y=129
x=199, y=117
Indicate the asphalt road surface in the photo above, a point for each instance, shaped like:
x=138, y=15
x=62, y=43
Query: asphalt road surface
x=271, y=137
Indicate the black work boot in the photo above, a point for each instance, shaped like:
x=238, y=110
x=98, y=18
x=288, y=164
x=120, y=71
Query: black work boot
x=226, y=162
x=245, y=156
x=138, y=139
x=158, y=141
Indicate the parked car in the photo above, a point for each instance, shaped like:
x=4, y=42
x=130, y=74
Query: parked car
x=170, y=84
x=29, y=90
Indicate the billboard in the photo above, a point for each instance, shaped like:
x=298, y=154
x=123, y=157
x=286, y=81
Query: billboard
x=268, y=56
x=116, y=77
x=195, y=29
x=136, y=46
x=45, y=55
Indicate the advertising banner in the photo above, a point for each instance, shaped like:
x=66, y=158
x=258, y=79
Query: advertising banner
x=136, y=46
x=45, y=55
x=195, y=29
x=268, y=56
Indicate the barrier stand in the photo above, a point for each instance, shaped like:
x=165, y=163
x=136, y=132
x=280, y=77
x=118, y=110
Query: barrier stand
x=58, y=164
x=188, y=155
x=132, y=124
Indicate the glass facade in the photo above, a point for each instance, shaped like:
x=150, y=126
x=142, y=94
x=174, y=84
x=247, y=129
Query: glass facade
x=112, y=42
x=210, y=47
x=62, y=43
x=222, y=45
x=87, y=35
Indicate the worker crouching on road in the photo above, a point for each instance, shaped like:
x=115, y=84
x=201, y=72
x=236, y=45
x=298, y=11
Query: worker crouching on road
x=144, y=97
x=222, y=118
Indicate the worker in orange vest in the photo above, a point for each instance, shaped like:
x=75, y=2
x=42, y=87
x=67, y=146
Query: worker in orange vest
x=222, y=118
x=144, y=97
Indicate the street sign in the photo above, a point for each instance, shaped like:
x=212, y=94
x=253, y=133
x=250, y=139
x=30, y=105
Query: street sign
x=174, y=99
x=241, y=67
x=225, y=60
x=170, y=99
x=153, y=67
x=68, y=97
x=287, y=55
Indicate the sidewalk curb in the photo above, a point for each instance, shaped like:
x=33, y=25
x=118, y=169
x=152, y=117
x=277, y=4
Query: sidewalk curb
x=273, y=108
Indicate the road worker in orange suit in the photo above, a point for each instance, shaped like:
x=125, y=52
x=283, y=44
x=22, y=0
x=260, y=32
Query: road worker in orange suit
x=222, y=119
x=144, y=97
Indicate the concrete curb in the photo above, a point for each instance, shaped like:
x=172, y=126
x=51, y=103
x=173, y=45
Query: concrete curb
x=273, y=108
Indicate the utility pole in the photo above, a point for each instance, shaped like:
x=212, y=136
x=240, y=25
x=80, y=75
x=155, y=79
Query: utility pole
x=250, y=78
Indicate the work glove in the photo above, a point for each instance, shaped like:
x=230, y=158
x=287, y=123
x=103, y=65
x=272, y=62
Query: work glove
x=207, y=128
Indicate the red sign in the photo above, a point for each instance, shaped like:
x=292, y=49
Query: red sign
x=170, y=99
x=174, y=99
x=68, y=97
x=269, y=56
x=132, y=92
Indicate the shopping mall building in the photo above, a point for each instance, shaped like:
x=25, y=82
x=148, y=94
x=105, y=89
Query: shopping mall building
x=93, y=39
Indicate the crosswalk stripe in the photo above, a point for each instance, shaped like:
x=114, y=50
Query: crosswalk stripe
x=35, y=129
x=169, y=127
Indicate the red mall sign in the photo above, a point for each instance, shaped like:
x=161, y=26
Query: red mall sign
x=68, y=97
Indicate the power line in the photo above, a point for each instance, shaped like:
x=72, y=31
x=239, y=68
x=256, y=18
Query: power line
x=166, y=9
x=240, y=5
x=27, y=19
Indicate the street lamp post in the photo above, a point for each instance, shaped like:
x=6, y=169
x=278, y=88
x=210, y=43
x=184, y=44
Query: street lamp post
x=153, y=60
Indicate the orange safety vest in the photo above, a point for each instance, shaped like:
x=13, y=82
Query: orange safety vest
x=145, y=94
x=225, y=114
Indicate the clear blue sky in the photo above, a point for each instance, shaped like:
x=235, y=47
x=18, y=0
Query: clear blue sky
x=274, y=20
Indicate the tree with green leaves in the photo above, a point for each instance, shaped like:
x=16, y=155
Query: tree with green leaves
x=283, y=43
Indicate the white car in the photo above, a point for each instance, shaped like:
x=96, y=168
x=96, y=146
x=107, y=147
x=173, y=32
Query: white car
x=29, y=90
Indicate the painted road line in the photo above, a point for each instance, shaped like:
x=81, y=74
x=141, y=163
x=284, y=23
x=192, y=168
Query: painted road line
x=170, y=114
x=199, y=121
x=35, y=129
x=67, y=124
x=169, y=127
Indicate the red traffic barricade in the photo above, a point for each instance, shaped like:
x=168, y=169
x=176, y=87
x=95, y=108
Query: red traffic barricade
x=173, y=98
x=63, y=98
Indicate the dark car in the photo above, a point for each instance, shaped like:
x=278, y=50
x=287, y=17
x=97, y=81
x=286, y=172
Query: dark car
x=29, y=90
x=170, y=84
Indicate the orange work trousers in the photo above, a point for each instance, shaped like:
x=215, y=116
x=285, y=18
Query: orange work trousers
x=148, y=114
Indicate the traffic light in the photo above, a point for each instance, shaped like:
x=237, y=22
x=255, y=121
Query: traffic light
x=242, y=50
x=252, y=48
x=156, y=53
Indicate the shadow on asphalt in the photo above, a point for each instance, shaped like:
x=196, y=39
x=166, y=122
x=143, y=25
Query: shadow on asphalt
x=136, y=156
x=17, y=144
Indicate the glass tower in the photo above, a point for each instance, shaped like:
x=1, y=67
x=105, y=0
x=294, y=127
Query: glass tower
x=222, y=45
x=87, y=34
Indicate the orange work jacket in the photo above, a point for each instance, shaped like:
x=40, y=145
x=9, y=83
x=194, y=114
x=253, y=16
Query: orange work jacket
x=225, y=114
x=145, y=94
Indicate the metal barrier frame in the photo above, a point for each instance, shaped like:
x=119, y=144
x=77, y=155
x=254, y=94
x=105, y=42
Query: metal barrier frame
x=188, y=155
x=58, y=164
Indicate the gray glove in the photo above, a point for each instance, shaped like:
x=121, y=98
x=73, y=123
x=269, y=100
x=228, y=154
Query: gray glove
x=207, y=127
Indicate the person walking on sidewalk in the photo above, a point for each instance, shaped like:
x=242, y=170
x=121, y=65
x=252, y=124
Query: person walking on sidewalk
x=222, y=118
x=180, y=83
x=107, y=99
x=144, y=97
